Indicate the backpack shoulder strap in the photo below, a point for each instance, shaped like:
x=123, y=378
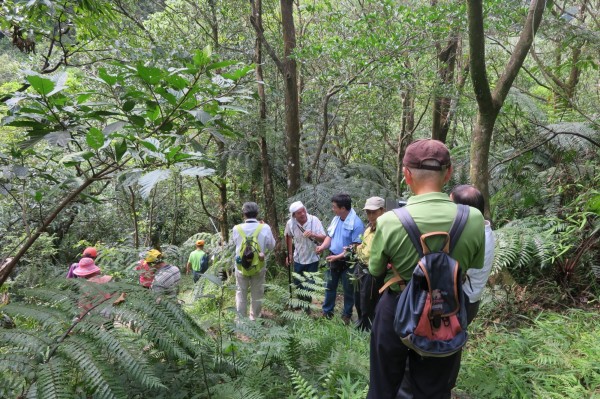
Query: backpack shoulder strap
x=240, y=231
x=411, y=228
x=458, y=225
x=256, y=232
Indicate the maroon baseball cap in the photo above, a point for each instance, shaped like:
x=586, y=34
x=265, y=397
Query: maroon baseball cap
x=426, y=150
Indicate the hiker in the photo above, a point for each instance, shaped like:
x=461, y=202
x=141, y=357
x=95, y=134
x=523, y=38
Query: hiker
x=89, y=252
x=198, y=261
x=473, y=286
x=303, y=232
x=476, y=278
x=86, y=268
x=426, y=168
x=367, y=295
x=166, y=276
x=260, y=238
x=343, y=232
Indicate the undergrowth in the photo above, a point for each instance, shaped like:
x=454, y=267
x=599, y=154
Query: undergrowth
x=555, y=356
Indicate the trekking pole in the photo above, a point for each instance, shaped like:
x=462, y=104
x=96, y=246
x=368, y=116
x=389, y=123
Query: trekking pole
x=290, y=279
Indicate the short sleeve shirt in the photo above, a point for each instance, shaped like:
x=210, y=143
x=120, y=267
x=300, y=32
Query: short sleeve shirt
x=196, y=258
x=265, y=238
x=363, y=251
x=431, y=212
x=166, y=280
x=304, y=248
x=343, y=236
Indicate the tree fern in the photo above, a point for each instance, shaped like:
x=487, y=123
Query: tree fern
x=522, y=246
x=109, y=348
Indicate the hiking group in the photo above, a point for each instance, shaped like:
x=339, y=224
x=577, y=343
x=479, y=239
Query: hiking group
x=415, y=274
x=409, y=263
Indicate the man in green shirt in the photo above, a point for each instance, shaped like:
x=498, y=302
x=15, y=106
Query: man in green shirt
x=195, y=261
x=426, y=168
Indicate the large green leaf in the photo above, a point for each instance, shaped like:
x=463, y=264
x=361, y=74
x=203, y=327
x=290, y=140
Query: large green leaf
x=202, y=57
x=120, y=149
x=40, y=84
x=177, y=82
x=221, y=64
x=239, y=73
x=95, y=138
x=199, y=171
x=60, y=81
x=149, y=181
x=150, y=75
x=105, y=76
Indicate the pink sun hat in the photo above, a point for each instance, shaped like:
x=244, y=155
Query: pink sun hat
x=86, y=267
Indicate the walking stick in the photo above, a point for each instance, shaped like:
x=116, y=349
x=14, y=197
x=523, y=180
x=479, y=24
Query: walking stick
x=290, y=280
x=289, y=244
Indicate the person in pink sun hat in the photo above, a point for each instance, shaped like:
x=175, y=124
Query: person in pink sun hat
x=90, y=271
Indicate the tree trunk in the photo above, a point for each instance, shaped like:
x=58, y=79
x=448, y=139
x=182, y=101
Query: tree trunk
x=288, y=71
x=441, y=104
x=406, y=132
x=489, y=104
x=270, y=206
x=223, y=159
x=292, y=117
x=136, y=232
x=222, y=187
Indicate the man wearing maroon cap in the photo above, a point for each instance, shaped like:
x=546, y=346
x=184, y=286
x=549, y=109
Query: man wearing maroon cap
x=426, y=168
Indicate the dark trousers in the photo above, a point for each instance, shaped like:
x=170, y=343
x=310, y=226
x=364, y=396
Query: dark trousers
x=366, y=296
x=338, y=271
x=196, y=275
x=429, y=376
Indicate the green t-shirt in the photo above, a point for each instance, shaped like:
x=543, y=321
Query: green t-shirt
x=431, y=212
x=195, y=259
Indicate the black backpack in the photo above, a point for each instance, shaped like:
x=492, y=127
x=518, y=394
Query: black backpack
x=431, y=315
x=204, y=263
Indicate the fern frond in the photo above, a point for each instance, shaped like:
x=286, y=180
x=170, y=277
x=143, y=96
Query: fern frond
x=16, y=362
x=33, y=342
x=137, y=370
x=303, y=388
x=98, y=376
x=54, y=296
x=52, y=319
x=155, y=332
x=53, y=380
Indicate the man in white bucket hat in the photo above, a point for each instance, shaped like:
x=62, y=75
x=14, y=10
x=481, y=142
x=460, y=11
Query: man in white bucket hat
x=303, y=232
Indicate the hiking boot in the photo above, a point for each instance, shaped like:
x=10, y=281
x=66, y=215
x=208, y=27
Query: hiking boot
x=346, y=319
x=328, y=316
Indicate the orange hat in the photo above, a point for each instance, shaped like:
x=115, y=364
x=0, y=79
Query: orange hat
x=90, y=252
x=200, y=243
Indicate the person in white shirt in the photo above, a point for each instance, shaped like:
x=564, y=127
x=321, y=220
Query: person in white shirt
x=254, y=277
x=476, y=278
x=303, y=232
